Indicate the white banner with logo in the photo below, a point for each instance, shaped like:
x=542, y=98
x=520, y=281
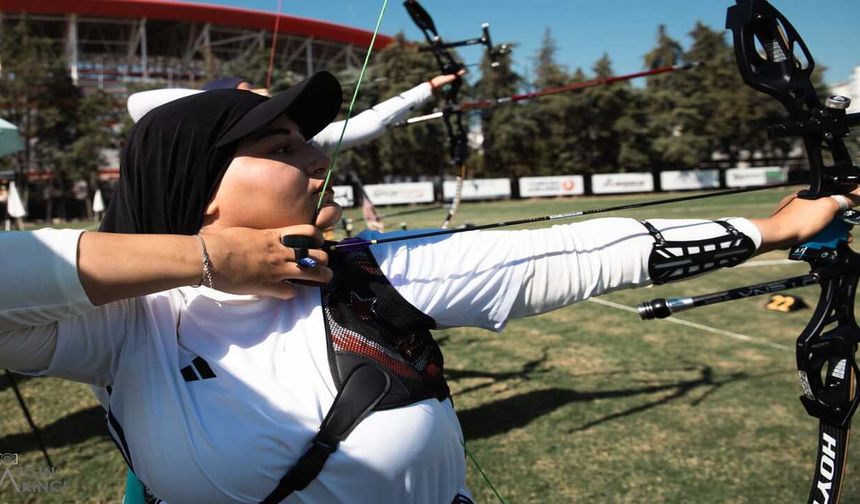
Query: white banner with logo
x=563, y=185
x=343, y=195
x=679, y=180
x=400, y=193
x=762, y=175
x=478, y=189
x=614, y=183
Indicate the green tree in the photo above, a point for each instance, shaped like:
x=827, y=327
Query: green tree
x=661, y=98
x=723, y=115
x=560, y=118
x=548, y=73
x=407, y=152
x=64, y=132
x=508, y=130
x=605, y=110
x=667, y=52
x=99, y=123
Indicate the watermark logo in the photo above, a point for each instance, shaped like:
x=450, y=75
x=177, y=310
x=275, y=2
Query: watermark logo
x=20, y=479
x=8, y=459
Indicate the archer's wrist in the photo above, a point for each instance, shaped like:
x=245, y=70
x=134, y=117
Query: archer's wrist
x=798, y=222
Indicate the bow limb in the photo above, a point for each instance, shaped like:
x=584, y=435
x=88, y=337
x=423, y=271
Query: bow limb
x=459, y=152
x=458, y=196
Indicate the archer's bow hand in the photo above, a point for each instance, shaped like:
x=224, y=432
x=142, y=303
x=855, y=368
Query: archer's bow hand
x=445, y=79
x=797, y=220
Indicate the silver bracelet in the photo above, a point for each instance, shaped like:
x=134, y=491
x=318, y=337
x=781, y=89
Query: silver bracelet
x=206, y=278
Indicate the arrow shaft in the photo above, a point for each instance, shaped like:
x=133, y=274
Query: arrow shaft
x=493, y=102
x=487, y=103
x=545, y=218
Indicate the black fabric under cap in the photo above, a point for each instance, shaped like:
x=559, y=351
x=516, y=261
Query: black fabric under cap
x=223, y=83
x=170, y=167
x=312, y=104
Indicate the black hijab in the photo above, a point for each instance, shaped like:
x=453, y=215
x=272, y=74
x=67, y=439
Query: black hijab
x=170, y=165
x=176, y=155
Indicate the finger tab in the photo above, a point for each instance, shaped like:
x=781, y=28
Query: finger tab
x=298, y=241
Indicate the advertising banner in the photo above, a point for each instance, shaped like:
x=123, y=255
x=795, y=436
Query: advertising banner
x=562, y=185
x=615, y=183
x=680, y=180
x=478, y=189
x=400, y=193
x=762, y=175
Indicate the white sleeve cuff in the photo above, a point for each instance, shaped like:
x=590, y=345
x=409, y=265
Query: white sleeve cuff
x=398, y=107
x=371, y=123
x=746, y=227
x=40, y=280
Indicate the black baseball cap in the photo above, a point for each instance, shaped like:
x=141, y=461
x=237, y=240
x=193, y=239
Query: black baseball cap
x=312, y=104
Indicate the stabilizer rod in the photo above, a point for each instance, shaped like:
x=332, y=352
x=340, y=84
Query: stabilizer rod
x=663, y=308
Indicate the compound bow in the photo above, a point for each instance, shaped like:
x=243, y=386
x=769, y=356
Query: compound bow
x=448, y=64
x=782, y=66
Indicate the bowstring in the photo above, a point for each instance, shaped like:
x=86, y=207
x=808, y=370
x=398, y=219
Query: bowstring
x=331, y=169
x=275, y=32
x=349, y=110
x=483, y=474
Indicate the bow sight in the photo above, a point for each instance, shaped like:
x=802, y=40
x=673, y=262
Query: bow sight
x=435, y=43
x=457, y=138
x=772, y=58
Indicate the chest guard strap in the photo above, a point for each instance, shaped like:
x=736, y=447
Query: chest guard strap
x=361, y=391
x=676, y=260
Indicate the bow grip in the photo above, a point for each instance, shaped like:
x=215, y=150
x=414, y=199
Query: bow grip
x=831, y=236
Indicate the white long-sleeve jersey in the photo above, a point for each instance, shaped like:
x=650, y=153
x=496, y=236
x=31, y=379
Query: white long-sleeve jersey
x=361, y=128
x=231, y=434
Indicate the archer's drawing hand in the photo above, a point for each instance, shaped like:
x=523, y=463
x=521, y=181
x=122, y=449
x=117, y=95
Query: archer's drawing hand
x=796, y=220
x=251, y=261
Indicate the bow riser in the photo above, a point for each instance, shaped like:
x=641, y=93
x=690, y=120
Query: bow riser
x=826, y=357
x=774, y=59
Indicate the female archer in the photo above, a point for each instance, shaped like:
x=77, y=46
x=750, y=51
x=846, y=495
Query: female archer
x=237, y=371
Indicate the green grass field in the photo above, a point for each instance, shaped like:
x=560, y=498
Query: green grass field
x=583, y=404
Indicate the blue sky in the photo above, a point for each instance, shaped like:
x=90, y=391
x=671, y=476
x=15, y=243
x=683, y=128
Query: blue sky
x=584, y=30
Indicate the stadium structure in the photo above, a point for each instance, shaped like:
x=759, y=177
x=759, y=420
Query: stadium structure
x=109, y=43
x=115, y=45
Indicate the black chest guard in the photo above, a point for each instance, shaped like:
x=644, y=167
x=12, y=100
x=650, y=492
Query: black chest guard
x=368, y=322
x=381, y=356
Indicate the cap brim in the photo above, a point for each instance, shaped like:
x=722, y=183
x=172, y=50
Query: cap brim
x=312, y=104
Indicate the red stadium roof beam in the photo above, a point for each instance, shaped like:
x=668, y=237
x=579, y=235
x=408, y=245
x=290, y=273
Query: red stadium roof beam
x=199, y=13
